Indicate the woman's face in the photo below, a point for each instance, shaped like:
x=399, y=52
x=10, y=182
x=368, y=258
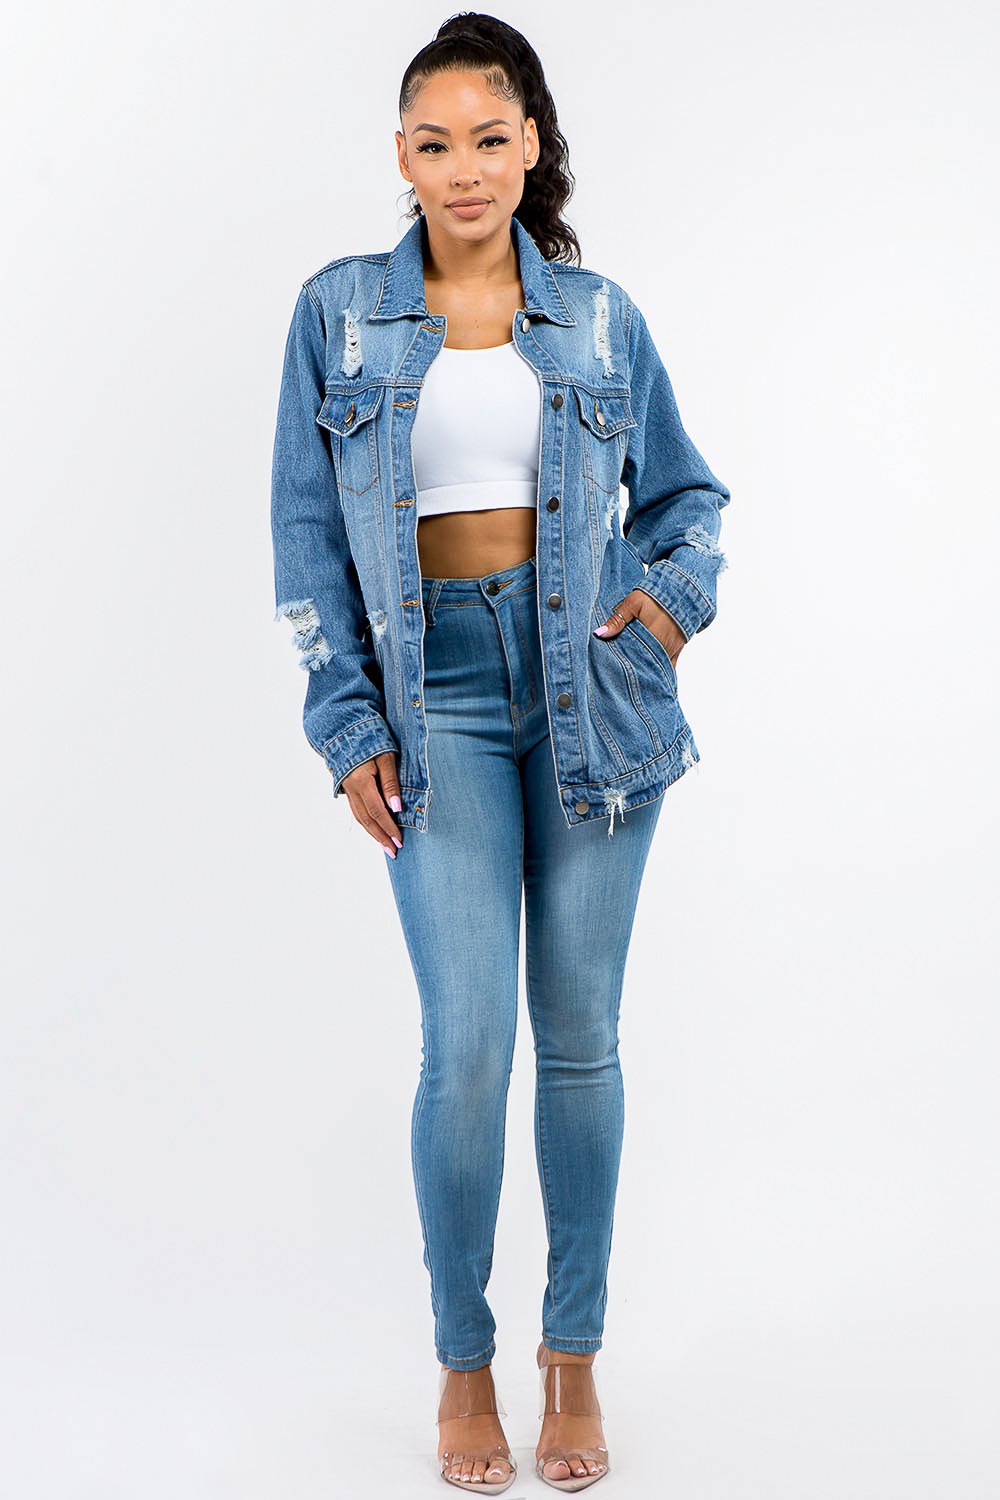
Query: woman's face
x=460, y=141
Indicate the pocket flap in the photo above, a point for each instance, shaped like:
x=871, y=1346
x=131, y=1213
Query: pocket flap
x=344, y=411
x=605, y=413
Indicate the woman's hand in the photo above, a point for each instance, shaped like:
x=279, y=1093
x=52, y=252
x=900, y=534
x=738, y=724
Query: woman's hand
x=640, y=606
x=372, y=788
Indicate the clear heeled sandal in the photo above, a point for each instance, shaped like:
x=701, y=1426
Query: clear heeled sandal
x=569, y=1388
x=472, y=1398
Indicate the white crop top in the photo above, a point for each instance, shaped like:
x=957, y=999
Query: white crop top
x=476, y=431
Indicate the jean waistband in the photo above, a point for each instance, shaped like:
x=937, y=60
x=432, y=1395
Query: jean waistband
x=501, y=580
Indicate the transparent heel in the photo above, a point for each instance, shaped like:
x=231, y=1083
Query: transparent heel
x=471, y=1393
x=570, y=1389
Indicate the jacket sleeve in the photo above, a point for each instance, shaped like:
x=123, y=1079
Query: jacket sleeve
x=673, y=516
x=315, y=578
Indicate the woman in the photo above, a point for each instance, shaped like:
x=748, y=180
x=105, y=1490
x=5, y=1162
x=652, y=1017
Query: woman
x=482, y=632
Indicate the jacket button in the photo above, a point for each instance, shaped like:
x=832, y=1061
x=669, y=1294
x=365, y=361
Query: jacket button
x=492, y=587
x=525, y=324
x=564, y=700
x=554, y=601
x=581, y=807
x=553, y=502
x=601, y=418
x=557, y=400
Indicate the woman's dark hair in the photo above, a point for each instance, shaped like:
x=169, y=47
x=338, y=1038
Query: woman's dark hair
x=513, y=71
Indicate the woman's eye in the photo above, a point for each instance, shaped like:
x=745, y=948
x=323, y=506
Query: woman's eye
x=434, y=147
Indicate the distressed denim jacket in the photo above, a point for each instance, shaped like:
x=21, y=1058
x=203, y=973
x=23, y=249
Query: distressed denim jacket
x=344, y=524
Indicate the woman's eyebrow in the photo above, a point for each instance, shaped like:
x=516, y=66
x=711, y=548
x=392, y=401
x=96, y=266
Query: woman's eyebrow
x=443, y=129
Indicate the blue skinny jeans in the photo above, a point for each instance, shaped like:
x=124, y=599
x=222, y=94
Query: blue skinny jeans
x=496, y=829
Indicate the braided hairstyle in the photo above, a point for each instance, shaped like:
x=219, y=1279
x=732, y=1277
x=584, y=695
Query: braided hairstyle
x=513, y=71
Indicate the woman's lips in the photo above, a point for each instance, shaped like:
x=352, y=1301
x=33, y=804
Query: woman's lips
x=468, y=210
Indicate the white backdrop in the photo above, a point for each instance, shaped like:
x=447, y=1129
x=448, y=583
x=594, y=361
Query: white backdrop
x=211, y=1282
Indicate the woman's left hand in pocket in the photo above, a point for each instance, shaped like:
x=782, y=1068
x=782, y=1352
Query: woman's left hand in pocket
x=640, y=606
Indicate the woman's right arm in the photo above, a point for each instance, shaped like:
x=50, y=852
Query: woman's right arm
x=316, y=581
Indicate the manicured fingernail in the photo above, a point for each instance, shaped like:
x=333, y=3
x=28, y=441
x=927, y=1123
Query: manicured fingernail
x=601, y=630
x=395, y=804
x=390, y=852
x=398, y=842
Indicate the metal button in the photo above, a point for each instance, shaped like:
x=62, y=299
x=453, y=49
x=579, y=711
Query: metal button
x=349, y=418
x=581, y=807
x=564, y=700
x=553, y=502
x=492, y=587
x=557, y=400
x=554, y=601
x=601, y=418
x=525, y=324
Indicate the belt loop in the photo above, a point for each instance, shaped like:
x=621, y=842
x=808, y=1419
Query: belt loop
x=437, y=584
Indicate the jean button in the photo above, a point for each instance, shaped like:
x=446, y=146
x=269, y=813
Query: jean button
x=554, y=601
x=564, y=700
x=581, y=807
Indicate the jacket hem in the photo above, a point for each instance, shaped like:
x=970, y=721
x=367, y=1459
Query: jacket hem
x=617, y=794
x=605, y=799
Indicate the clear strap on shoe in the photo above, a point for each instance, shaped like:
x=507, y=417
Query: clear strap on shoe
x=570, y=1388
x=470, y=1394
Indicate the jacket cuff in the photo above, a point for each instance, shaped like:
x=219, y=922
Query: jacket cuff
x=679, y=595
x=356, y=744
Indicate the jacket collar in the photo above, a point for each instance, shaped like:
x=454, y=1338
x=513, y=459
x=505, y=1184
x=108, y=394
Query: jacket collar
x=402, y=292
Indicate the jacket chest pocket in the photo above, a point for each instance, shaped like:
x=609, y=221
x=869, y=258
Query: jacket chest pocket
x=605, y=418
x=349, y=414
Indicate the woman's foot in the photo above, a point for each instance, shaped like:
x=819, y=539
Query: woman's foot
x=467, y=1445
x=578, y=1436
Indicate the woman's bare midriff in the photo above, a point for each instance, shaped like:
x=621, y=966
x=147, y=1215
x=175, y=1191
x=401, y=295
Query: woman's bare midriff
x=468, y=543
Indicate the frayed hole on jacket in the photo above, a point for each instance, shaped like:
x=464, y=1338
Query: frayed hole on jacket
x=704, y=541
x=352, y=344
x=615, y=803
x=307, y=636
x=379, y=620
x=602, y=341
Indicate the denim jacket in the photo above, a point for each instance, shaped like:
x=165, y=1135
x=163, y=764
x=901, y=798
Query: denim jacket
x=344, y=524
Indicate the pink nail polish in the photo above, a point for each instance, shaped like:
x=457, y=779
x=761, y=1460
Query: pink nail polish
x=391, y=852
x=395, y=804
x=601, y=630
x=397, y=842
